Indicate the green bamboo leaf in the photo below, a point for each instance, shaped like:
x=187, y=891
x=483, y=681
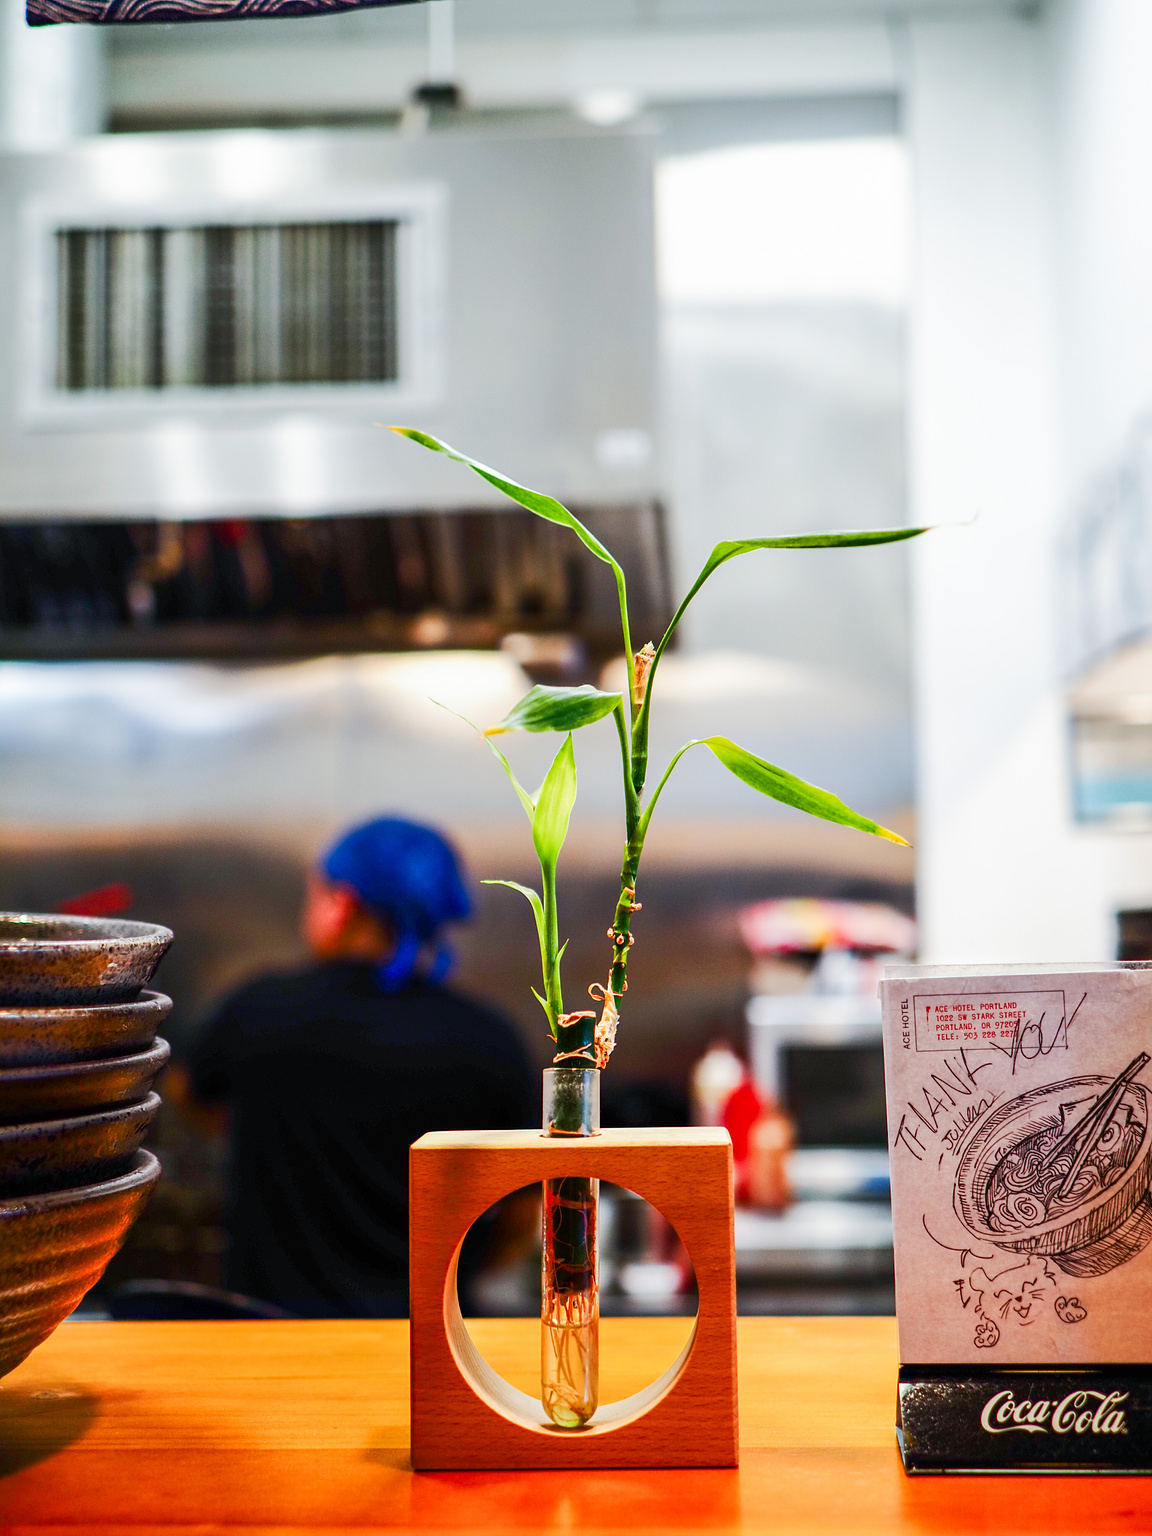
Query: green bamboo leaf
x=543, y=506
x=542, y=930
x=852, y=538
x=532, y=897
x=525, y=798
x=554, y=805
x=720, y=555
x=557, y=709
x=781, y=785
x=728, y=550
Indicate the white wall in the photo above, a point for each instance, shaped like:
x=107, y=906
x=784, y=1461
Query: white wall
x=1102, y=61
x=1102, y=136
x=371, y=61
x=1033, y=317
x=52, y=81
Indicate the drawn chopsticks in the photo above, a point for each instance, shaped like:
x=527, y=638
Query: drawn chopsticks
x=1136, y=1065
x=1094, y=1122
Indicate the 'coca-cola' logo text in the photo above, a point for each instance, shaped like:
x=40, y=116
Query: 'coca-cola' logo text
x=1080, y=1413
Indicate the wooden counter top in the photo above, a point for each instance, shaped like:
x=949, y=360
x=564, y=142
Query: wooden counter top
x=289, y=1426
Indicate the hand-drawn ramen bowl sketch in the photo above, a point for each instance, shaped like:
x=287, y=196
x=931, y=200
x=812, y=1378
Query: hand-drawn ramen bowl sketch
x=1062, y=1171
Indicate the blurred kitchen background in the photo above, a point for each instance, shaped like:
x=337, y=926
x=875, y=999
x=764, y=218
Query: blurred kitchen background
x=703, y=269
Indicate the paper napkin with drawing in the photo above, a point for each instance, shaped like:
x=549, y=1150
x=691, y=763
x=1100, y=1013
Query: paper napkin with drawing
x=1020, y=1135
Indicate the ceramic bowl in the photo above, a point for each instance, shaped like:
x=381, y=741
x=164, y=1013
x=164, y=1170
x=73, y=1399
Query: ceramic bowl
x=42, y=1037
x=58, y=1154
x=1106, y=1230
x=46, y=1093
x=74, y=961
x=54, y=1248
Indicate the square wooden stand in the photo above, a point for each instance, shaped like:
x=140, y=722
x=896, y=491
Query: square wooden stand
x=466, y=1416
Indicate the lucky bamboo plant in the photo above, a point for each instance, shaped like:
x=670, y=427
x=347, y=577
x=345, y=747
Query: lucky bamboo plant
x=583, y=1042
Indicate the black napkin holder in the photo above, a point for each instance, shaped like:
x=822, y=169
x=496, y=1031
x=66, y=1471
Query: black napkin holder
x=1025, y=1419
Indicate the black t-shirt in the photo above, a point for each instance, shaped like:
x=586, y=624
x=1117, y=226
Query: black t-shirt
x=329, y=1081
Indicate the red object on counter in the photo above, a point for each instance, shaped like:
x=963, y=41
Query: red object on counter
x=762, y=1137
x=741, y=1113
x=104, y=901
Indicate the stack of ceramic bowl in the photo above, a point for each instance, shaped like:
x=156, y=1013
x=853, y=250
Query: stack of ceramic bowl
x=78, y=1056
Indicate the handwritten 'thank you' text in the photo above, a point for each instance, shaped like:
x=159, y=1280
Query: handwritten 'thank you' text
x=943, y=1109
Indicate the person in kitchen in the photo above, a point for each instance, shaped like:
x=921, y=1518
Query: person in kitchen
x=329, y=1072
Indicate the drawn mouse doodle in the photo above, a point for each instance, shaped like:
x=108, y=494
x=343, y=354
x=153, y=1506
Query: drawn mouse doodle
x=1016, y=1294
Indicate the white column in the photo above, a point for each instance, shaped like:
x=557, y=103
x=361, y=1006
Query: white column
x=52, y=82
x=1103, y=126
x=1032, y=145
x=993, y=829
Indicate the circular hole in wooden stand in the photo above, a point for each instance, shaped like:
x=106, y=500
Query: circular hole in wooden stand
x=644, y=1271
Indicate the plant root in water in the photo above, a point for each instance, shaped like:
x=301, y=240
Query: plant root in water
x=570, y=1303
x=569, y=1360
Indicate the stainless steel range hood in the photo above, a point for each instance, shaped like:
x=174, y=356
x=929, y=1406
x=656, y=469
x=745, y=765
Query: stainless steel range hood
x=211, y=325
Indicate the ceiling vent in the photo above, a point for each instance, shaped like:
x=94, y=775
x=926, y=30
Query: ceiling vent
x=219, y=305
x=311, y=302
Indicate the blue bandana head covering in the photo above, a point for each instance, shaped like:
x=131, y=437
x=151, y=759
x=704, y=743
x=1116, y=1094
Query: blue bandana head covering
x=410, y=875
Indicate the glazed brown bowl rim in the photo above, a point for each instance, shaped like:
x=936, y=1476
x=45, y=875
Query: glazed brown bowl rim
x=145, y=1169
x=149, y=1001
x=101, y=932
x=75, y=1122
x=157, y=1053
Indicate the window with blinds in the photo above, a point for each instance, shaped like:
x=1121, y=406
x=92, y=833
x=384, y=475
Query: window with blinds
x=222, y=305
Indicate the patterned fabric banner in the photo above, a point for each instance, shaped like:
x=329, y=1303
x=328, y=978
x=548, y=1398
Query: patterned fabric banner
x=42, y=13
